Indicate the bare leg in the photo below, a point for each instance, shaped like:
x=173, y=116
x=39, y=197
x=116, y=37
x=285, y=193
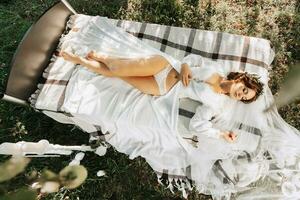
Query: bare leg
x=147, y=66
x=92, y=65
x=146, y=84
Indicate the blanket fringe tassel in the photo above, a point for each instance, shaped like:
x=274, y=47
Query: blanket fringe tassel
x=180, y=184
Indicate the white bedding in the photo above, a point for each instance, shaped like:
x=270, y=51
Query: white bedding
x=145, y=125
x=123, y=110
x=137, y=127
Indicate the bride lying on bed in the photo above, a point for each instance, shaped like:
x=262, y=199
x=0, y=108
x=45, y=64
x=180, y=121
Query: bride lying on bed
x=155, y=76
x=230, y=144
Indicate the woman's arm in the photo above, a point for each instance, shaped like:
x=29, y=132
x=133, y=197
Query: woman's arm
x=201, y=124
x=185, y=71
x=185, y=74
x=197, y=67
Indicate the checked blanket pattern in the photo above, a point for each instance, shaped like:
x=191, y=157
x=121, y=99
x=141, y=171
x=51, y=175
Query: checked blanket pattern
x=234, y=52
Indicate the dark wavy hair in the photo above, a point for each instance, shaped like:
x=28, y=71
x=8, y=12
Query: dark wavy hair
x=250, y=80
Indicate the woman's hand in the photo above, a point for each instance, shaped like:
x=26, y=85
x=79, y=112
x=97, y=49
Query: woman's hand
x=185, y=74
x=229, y=136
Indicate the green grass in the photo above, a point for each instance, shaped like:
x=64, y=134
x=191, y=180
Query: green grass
x=278, y=21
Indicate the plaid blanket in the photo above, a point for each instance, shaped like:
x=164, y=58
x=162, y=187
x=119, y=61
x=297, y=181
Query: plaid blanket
x=234, y=52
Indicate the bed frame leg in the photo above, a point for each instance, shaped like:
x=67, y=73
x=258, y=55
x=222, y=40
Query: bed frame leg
x=69, y=6
x=8, y=98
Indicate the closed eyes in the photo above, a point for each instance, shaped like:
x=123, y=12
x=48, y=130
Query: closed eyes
x=245, y=91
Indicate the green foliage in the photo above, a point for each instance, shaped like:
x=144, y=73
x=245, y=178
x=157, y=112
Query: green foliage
x=278, y=21
x=72, y=176
x=12, y=167
x=289, y=91
x=21, y=194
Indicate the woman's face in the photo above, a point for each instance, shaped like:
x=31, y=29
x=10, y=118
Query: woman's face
x=239, y=91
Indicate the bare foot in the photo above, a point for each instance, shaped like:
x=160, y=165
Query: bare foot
x=93, y=58
x=91, y=64
x=96, y=56
x=70, y=57
x=90, y=55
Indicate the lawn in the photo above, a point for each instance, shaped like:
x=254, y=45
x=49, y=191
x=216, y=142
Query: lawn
x=277, y=21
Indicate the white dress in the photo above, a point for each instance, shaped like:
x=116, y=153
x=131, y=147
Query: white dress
x=213, y=103
x=143, y=125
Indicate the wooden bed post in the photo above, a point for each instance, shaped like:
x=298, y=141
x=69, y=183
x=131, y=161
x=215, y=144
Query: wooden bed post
x=34, y=52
